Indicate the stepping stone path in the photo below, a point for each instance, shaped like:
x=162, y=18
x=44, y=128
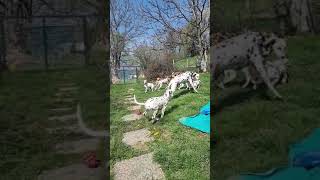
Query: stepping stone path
x=137, y=138
x=72, y=129
x=142, y=167
x=68, y=89
x=64, y=110
x=72, y=172
x=131, y=117
x=134, y=108
x=63, y=117
x=80, y=146
x=138, y=168
x=129, y=99
x=61, y=109
x=67, y=100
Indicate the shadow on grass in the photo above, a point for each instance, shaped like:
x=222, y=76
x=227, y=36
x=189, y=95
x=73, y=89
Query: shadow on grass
x=168, y=111
x=239, y=96
x=183, y=92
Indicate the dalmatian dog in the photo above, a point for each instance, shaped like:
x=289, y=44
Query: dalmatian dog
x=228, y=76
x=155, y=104
x=250, y=48
x=276, y=71
x=196, y=84
x=160, y=82
x=148, y=86
x=187, y=76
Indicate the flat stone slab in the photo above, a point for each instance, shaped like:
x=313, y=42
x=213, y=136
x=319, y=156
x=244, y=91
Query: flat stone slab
x=79, y=146
x=63, y=117
x=72, y=172
x=131, y=117
x=61, y=110
x=128, y=102
x=67, y=100
x=134, y=108
x=63, y=94
x=129, y=99
x=67, y=84
x=68, y=88
x=138, y=168
x=137, y=138
x=72, y=129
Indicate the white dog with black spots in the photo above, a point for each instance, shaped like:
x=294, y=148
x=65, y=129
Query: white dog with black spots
x=148, y=86
x=155, y=104
x=186, y=77
x=250, y=48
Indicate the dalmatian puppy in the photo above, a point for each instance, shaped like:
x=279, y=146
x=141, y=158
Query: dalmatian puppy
x=160, y=82
x=276, y=70
x=250, y=48
x=148, y=86
x=196, y=84
x=155, y=104
x=187, y=76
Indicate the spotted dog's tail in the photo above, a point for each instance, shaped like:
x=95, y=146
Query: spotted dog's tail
x=85, y=129
x=135, y=101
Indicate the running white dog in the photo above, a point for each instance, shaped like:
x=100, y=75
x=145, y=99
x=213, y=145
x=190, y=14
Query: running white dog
x=155, y=104
x=188, y=77
x=243, y=50
x=196, y=84
x=148, y=86
x=276, y=71
x=160, y=83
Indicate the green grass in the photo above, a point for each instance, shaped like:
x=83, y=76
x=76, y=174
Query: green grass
x=25, y=97
x=253, y=132
x=183, y=153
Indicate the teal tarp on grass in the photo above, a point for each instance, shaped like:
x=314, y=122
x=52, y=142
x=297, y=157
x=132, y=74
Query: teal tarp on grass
x=298, y=160
x=200, y=121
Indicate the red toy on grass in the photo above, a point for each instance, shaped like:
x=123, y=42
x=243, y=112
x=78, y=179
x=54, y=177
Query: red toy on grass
x=90, y=159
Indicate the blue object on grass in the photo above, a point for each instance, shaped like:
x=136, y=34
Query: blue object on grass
x=205, y=109
x=200, y=121
x=304, y=162
x=307, y=160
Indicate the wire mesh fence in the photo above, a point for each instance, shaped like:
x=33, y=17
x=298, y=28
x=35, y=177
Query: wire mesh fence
x=46, y=42
x=129, y=74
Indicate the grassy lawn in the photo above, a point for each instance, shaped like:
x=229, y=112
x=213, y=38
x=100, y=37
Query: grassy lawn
x=253, y=132
x=183, y=153
x=25, y=99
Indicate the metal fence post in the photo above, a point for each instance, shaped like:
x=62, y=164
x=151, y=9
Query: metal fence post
x=136, y=73
x=45, y=43
x=85, y=40
x=124, y=75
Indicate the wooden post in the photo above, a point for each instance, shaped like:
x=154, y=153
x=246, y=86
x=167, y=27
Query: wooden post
x=85, y=41
x=45, y=43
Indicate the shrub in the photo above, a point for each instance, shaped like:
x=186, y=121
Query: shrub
x=159, y=68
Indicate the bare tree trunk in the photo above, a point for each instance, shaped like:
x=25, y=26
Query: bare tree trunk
x=300, y=14
x=114, y=75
